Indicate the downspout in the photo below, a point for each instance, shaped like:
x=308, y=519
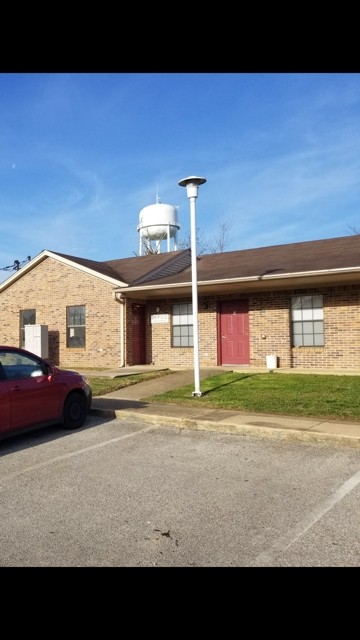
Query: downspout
x=119, y=298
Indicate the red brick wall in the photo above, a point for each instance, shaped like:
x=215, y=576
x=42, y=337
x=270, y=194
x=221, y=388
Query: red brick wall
x=269, y=320
x=269, y=330
x=52, y=286
x=158, y=337
x=341, y=332
x=49, y=288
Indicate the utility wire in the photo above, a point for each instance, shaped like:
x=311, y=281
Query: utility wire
x=16, y=266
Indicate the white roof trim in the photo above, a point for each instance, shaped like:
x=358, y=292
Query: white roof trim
x=81, y=267
x=277, y=276
x=49, y=254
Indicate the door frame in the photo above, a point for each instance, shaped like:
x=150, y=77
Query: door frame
x=218, y=329
x=141, y=310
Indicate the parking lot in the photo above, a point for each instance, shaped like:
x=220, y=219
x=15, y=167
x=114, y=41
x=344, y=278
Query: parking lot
x=128, y=493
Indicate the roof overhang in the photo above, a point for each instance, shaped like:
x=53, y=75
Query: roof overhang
x=71, y=263
x=274, y=282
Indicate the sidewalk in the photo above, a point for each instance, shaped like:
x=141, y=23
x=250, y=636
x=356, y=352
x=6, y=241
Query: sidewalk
x=127, y=403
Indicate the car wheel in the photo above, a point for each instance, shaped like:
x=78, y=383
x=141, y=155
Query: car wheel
x=75, y=411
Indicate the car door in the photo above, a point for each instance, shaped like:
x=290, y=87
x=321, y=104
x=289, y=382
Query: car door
x=4, y=402
x=34, y=396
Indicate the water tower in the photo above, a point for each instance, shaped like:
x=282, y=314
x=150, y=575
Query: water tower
x=158, y=223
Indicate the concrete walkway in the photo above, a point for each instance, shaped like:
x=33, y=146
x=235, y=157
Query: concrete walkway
x=128, y=403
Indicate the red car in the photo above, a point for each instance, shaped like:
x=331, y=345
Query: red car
x=34, y=393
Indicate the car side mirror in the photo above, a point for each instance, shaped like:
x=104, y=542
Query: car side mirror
x=51, y=371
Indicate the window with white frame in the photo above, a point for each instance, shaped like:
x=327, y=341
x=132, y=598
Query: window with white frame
x=182, y=326
x=307, y=319
x=75, y=326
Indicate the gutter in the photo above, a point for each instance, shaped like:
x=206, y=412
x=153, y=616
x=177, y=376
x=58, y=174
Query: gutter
x=204, y=283
x=119, y=298
x=301, y=274
x=185, y=284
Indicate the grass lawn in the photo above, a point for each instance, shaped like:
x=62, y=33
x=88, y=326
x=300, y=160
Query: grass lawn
x=102, y=385
x=311, y=395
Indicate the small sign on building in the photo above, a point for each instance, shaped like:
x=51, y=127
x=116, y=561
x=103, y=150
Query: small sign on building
x=159, y=318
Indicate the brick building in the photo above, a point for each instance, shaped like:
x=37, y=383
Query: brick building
x=300, y=301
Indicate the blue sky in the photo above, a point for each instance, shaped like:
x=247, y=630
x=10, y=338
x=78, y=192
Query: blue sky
x=82, y=153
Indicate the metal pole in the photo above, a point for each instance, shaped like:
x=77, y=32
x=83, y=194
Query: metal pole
x=192, y=186
x=197, y=391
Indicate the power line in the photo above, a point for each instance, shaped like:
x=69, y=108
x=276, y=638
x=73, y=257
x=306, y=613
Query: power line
x=16, y=266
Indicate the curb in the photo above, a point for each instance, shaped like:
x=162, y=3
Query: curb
x=278, y=433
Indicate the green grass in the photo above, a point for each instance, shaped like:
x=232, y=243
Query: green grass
x=102, y=385
x=306, y=395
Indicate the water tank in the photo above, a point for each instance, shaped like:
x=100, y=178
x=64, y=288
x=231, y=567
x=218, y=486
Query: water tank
x=157, y=222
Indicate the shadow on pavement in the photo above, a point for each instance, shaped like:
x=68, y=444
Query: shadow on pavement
x=116, y=403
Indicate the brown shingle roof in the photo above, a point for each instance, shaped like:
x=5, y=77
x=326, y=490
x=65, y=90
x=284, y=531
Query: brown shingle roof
x=100, y=267
x=132, y=269
x=316, y=255
x=175, y=267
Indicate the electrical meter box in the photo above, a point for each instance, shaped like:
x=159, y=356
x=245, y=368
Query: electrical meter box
x=37, y=339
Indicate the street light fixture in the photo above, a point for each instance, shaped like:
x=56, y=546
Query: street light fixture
x=192, y=187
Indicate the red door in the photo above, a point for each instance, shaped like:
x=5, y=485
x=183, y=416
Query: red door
x=234, y=332
x=138, y=325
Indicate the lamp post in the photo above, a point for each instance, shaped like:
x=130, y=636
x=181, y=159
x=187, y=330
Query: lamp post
x=192, y=187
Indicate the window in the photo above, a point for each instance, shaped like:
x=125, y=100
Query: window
x=75, y=326
x=27, y=316
x=17, y=366
x=182, y=326
x=307, y=316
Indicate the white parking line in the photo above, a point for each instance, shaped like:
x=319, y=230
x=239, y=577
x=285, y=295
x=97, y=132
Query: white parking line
x=268, y=557
x=66, y=456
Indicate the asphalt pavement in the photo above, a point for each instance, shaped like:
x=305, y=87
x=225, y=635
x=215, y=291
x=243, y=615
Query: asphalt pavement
x=129, y=403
